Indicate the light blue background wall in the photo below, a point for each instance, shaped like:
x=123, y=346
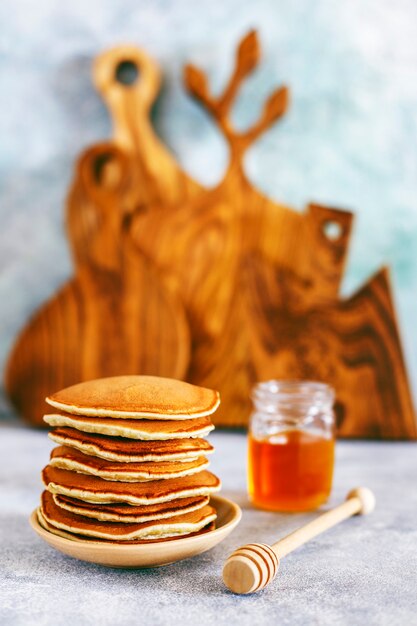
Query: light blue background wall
x=349, y=140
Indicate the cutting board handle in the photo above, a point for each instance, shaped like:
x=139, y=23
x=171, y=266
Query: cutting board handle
x=129, y=82
x=98, y=206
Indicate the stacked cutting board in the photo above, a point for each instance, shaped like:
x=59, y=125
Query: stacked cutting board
x=131, y=461
x=221, y=287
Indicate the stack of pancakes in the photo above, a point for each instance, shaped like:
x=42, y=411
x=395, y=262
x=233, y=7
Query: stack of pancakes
x=131, y=462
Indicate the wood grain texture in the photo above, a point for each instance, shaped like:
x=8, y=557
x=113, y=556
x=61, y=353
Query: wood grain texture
x=261, y=282
x=114, y=317
x=235, y=287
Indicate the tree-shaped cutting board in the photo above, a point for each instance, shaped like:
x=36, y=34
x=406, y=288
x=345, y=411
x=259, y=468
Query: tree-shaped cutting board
x=236, y=287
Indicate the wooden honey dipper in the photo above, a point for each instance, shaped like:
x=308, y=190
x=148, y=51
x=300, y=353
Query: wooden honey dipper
x=252, y=567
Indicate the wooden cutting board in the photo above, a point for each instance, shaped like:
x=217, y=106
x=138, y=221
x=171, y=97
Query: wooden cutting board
x=115, y=316
x=261, y=283
x=235, y=288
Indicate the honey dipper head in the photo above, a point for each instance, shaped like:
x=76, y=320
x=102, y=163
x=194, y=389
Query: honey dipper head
x=366, y=497
x=250, y=568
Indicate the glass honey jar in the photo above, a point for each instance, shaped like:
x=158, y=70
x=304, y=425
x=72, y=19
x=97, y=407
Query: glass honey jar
x=291, y=445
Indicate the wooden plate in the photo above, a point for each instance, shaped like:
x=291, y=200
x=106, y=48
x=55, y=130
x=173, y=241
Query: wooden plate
x=150, y=554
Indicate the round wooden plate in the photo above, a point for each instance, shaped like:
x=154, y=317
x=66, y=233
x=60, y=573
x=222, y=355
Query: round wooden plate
x=152, y=554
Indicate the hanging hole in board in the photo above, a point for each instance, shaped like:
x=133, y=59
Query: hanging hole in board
x=127, y=73
x=106, y=171
x=332, y=230
x=99, y=167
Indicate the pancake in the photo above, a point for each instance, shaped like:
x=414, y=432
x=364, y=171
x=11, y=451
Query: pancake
x=75, y=537
x=130, y=451
x=134, y=429
x=176, y=526
x=133, y=397
x=93, y=489
x=71, y=459
x=129, y=513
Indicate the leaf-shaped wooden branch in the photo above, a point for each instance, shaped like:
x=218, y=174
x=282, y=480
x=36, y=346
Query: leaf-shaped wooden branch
x=273, y=109
x=247, y=58
x=196, y=82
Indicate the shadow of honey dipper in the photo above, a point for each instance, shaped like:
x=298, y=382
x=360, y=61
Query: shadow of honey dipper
x=252, y=567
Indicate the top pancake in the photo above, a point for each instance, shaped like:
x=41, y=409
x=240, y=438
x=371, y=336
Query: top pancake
x=136, y=397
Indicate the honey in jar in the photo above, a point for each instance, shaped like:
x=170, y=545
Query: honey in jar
x=291, y=445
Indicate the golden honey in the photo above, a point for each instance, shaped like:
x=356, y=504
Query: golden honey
x=291, y=445
x=291, y=471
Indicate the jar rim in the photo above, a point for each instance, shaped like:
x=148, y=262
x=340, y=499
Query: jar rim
x=287, y=391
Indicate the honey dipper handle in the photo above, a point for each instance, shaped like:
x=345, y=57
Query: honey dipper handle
x=359, y=501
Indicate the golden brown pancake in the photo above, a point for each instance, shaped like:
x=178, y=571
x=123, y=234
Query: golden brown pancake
x=93, y=489
x=133, y=397
x=72, y=459
x=129, y=513
x=134, y=429
x=74, y=537
x=131, y=451
x=158, y=529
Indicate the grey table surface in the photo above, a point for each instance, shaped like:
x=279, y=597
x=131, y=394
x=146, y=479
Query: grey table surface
x=363, y=571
